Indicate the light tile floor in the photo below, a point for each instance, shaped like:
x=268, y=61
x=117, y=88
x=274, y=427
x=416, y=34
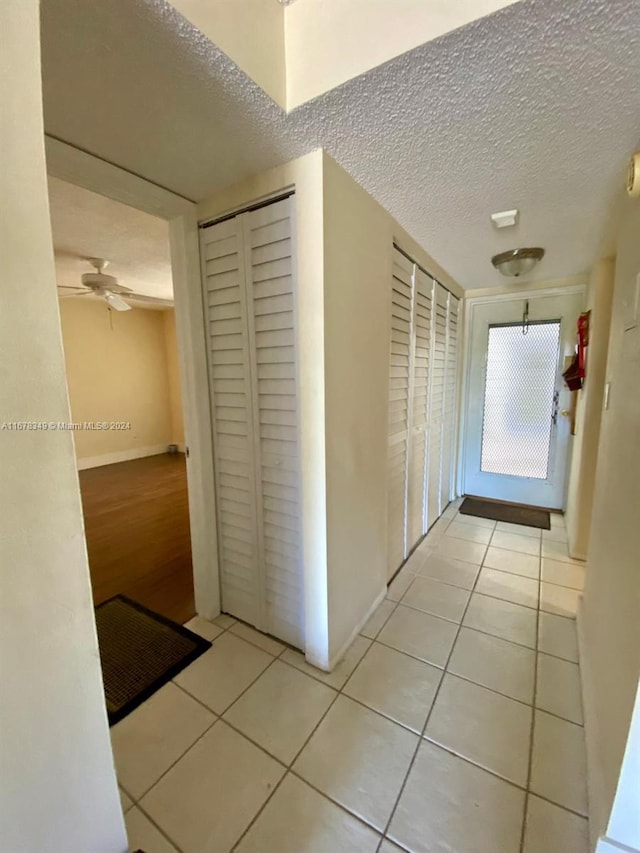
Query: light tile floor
x=454, y=722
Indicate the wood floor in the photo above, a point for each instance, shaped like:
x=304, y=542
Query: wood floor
x=136, y=517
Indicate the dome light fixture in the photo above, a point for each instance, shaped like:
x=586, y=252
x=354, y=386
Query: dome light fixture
x=517, y=262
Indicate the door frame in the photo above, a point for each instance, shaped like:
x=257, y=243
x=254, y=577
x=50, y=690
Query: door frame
x=85, y=170
x=470, y=304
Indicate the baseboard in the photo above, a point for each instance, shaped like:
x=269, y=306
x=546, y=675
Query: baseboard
x=334, y=660
x=120, y=456
x=597, y=806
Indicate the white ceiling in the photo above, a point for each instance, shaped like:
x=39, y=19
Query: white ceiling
x=536, y=107
x=87, y=225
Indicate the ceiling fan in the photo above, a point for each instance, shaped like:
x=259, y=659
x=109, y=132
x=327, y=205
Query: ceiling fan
x=107, y=286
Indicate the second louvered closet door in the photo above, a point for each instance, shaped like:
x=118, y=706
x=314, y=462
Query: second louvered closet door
x=253, y=387
x=422, y=405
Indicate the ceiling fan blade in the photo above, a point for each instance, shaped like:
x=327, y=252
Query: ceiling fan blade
x=153, y=300
x=73, y=295
x=115, y=301
x=68, y=287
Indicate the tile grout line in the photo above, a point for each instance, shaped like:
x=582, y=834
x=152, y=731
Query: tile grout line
x=217, y=716
x=533, y=714
x=137, y=800
x=426, y=722
x=290, y=769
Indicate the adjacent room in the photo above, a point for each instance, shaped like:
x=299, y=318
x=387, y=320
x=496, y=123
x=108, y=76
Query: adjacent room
x=121, y=361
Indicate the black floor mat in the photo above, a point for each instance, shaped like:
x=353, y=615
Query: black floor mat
x=512, y=513
x=139, y=651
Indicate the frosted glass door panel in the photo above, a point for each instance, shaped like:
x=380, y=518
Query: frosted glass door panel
x=516, y=438
x=519, y=399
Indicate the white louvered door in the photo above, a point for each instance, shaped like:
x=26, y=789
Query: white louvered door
x=232, y=415
x=436, y=401
x=250, y=307
x=421, y=343
x=269, y=273
x=449, y=415
x=399, y=408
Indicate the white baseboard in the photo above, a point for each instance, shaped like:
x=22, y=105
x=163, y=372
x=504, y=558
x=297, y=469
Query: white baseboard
x=120, y=456
x=335, y=659
x=597, y=806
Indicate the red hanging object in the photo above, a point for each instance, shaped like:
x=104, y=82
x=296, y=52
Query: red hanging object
x=583, y=342
x=577, y=370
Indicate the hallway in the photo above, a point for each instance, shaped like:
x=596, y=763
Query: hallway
x=426, y=736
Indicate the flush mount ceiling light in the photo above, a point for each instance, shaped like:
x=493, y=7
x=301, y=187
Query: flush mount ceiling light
x=517, y=262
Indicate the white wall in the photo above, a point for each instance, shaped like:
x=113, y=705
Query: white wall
x=610, y=617
x=58, y=785
x=120, y=367
x=589, y=412
x=331, y=41
x=250, y=32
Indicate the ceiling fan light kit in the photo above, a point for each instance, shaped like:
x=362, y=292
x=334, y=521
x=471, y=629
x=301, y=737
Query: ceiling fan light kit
x=517, y=262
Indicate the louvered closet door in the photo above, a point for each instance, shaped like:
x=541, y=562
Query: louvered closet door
x=436, y=401
x=231, y=406
x=449, y=418
x=421, y=342
x=269, y=273
x=399, y=400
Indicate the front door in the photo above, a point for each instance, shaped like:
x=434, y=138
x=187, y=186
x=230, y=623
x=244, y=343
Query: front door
x=517, y=438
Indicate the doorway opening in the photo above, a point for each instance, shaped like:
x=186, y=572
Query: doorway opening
x=517, y=441
x=121, y=357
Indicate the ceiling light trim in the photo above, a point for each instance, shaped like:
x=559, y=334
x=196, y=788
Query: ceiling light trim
x=517, y=262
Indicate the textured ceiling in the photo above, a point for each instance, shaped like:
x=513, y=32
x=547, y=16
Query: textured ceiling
x=86, y=225
x=535, y=107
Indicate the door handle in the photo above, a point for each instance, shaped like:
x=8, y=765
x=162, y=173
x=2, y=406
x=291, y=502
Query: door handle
x=565, y=413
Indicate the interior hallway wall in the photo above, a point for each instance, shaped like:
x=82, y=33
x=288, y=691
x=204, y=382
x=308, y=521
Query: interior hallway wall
x=121, y=367
x=358, y=241
x=584, y=457
x=610, y=616
x=57, y=780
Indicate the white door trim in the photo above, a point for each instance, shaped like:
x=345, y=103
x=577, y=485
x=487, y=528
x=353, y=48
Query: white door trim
x=469, y=306
x=90, y=172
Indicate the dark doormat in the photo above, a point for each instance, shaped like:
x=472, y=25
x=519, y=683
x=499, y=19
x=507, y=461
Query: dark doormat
x=513, y=513
x=140, y=651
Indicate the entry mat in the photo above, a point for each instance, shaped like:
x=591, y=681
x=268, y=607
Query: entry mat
x=513, y=513
x=140, y=651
